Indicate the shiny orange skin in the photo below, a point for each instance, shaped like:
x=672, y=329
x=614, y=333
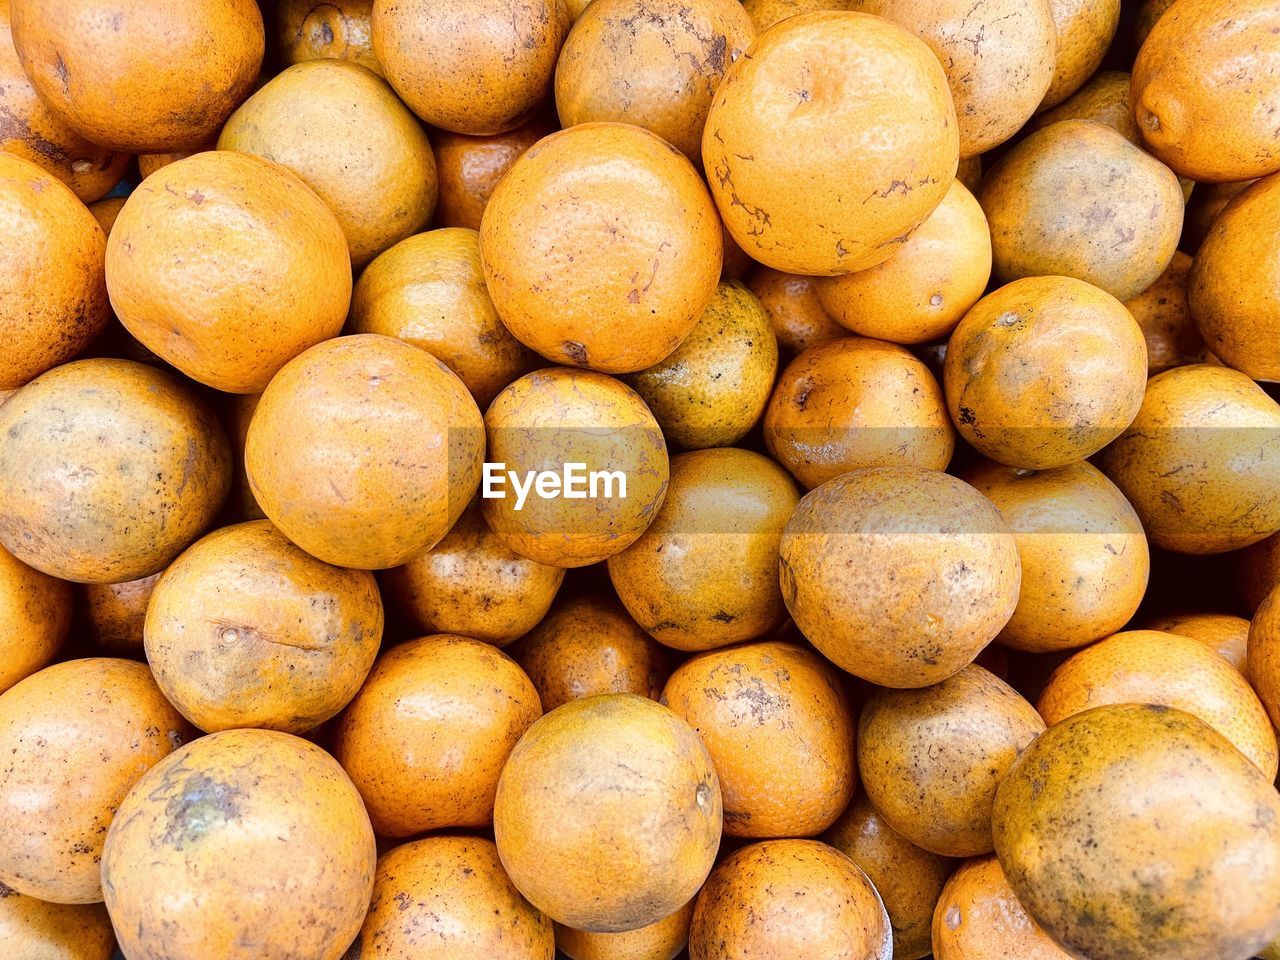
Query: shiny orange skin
x=364, y=451
x=35, y=615
x=1259, y=566
x=663, y=940
x=921, y=293
x=979, y=917
x=469, y=169
x=427, y=736
x=799, y=319
x=1085, y=29
x=1263, y=655
x=32, y=929
x=1234, y=288
x=589, y=645
x=931, y=759
x=654, y=63
x=908, y=879
x=1205, y=83
x=448, y=898
x=472, y=584
x=337, y=29
x=560, y=415
x=140, y=76
x=856, y=402
x=1196, y=462
x=1085, y=560
x=429, y=290
x=228, y=266
x=705, y=573
x=601, y=248
x=1165, y=317
x=899, y=575
x=780, y=732
x=798, y=899
x=1167, y=669
x=115, y=612
x=33, y=132
x=53, y=298
x=1014, y=393
x=146, y=465
x=818, y=166
x=577, y=806
x=205, y=853
x=76, y=737
x=246, y=630
x=472, y=66
x=1222, y=632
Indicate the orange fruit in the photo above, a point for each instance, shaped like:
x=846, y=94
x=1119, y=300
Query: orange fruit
x=1165, y=317
x=1259, y=566
x=469, y=168
x=35, y=616
x=1105, y=98
x=115, y=613
x=149, y=163
x=798, y=317
x=979, y=917
x=601, y=248
x=1085, y=29
x=818, y=165
x=34, y=928
x=765, y=13
x=1148, y=14
x=106, y=211
x=1263, y=655
x=1222, y=632
x=337, y=29
x=237, y=414
x=1205, y=206
x=663, y=940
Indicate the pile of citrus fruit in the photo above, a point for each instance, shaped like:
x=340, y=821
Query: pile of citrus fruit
x=638, y=479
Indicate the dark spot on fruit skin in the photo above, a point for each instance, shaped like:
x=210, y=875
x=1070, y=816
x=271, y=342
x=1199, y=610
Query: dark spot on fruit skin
x=576, y=352
x=201, y=803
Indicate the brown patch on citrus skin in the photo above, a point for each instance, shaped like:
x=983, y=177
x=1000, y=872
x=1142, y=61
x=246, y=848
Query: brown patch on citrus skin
x=1259, y=566
x=1085, y=561
x=799, y=320
x=75, y=738
x=705, y=572
x=662, y=940
x=448, y=898
x=146, y=466
x=601, y=248
x=587, y=646
x=1085, y=29
x=202, y=854
x=33, y=928
x=1226, y=634
x=476, y=66
x=908, y=879
x=53, y=296
x=1206, y=88
x=577, y=805
x=429, y=290
x=1263, y=655
x=931, y=759
x=1019, y=398
x=336, y=29
x=978, y=917
x=856, y=402
x=127, y=74
x=816, y=165
x=114, y=614
x=789, y=898
x=470, y=168
x=364, y=451
x=1200, y=462
x=35, y=615
x=654, y=63
x=899, y=575
x=780, y=732
x=428, y=734
x=1165, y=317
x=1199, y=808
x=472, y=584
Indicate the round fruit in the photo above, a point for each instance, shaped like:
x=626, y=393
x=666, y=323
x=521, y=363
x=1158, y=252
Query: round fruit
x=1205, y=206
x=654, y=63
x=448, y=898
x=923, y=291
x=1085, y=29
x=798, y=317
x=53, y=298
x=1148, y=14
x=337, y=29
x=601, y=248
x=245, y=845
x=228, y=266
x=469, y=169
x=471, y=66
x=105, y=212
x=817, y=164
x=663, y=940
x=1198, y=464
x=577, y=807
x=114, y=614
x=472, y=584
x=341, y=129
x=590, y=645
x=1198, y=812
x=237, y=414
x=108, y=470
x=549, y=419
x=899, y=575
x=35, y=615
x=1085, y=561
x=364, y=451
x=1019, y=398
x=705, y=572
x=1205, y=85
x=1226, y=634
x=1259, y=566
x=931, y=759
x=427, y=736
x=75, y=738
x=999, y=59
x=908, y=879
x=798, y=899
x=1263, y=656
x=429, y=290
x=136, y=75
x=1165, y=317
x=978, y=917
x=32, y=929
x=765, y=13
x=1105, y=98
